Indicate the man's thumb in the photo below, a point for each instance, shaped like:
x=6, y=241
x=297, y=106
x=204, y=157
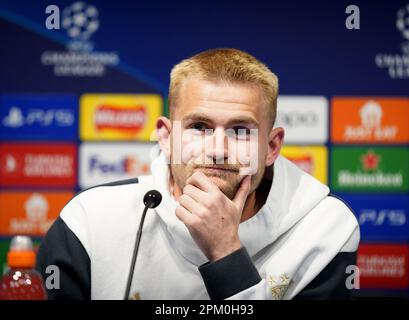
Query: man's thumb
x=241, y=194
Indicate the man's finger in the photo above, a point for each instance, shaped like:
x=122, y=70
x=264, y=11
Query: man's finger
x=185, y=216
x=241, y=194
x=195, y=193
x=201, y=181
x=191, y=205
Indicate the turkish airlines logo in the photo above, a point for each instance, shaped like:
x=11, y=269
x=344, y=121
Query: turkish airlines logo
x=37, y=164
x=124, y=119
x=10, y=164
x=46, y=165
x=383, y=265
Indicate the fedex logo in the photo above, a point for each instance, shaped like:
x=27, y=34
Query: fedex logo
x=123, y=165
x=106, y=162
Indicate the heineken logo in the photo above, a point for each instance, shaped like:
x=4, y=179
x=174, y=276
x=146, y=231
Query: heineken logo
x=374, y=169
x=359, y=179
x=370, y=161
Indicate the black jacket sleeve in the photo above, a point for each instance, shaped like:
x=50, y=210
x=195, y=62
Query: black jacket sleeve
x=60, y=247
x=236, y=272
x=330, y=284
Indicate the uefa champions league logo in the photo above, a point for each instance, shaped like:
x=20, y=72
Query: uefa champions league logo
x=402, y=22
x=397, y=63
x=80, y=20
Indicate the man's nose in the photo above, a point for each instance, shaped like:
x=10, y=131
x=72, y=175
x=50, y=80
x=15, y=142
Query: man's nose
x=217, y=148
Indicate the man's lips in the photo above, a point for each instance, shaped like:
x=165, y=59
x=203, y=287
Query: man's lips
x=215, y=169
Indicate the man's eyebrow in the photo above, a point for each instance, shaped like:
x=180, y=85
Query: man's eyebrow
x=204, y=118
x=197, y=117
x=243, y=119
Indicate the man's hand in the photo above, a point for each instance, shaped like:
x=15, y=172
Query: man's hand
x=212, y=218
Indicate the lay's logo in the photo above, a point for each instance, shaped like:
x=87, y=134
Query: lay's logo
x=130, y=119
x=372, y=120
x=119, y=116
x=311, y=159
x=304, y=162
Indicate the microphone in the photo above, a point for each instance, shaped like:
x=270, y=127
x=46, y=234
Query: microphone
x=151, y=200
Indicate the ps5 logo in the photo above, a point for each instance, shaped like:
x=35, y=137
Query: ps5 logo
x=41, y=117
x=393, y=218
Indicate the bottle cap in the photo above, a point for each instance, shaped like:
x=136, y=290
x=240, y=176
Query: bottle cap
x=21, y=253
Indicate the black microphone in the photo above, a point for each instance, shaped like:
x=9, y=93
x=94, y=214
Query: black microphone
x=151, y=200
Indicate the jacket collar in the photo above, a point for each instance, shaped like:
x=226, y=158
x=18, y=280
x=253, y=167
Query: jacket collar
x=292, y=195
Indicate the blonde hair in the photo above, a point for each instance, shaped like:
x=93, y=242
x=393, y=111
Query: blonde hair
x=230, y=65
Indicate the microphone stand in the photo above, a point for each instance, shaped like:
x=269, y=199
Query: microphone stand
x=135, y=253
x=151, y=200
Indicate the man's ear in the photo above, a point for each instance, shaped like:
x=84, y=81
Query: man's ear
x=163, y=129
x=275, y=142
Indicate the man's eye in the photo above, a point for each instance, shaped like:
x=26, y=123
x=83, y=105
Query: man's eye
x=241, y=131
x=198, y=126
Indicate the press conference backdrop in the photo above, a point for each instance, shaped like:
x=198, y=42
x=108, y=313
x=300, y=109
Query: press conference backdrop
x=78, y=103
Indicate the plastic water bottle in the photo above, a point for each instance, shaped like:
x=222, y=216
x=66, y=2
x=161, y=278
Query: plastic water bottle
x=22, y=281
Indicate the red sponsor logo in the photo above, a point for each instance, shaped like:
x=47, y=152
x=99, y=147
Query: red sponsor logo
x=383, y=266
x=38, y=164
x=130, y=119
x=370, y=160
x=304, y=162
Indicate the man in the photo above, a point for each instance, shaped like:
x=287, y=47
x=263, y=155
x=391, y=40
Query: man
x=237, y=220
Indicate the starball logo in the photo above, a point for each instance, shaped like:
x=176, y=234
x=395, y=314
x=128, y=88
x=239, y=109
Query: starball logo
x=397, y=64
x=80, y=21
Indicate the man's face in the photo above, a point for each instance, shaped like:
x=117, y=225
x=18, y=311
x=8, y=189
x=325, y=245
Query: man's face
x=222, y=130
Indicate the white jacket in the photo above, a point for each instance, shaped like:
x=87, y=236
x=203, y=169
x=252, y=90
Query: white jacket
x=298, y=245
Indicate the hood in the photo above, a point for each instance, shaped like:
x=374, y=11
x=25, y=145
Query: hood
x=293, y=193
